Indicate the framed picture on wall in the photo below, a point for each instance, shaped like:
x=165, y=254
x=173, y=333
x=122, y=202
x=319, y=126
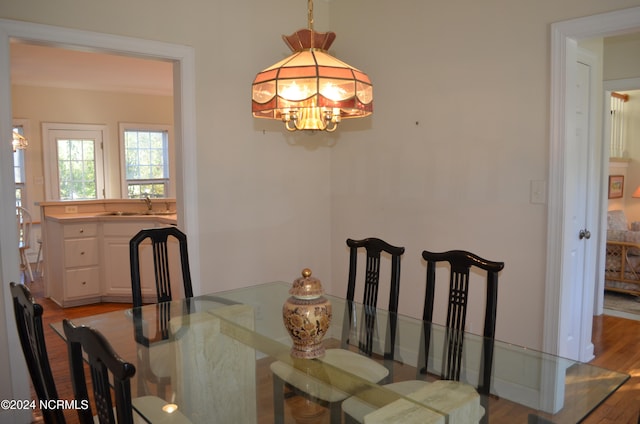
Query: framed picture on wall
x=616, y=186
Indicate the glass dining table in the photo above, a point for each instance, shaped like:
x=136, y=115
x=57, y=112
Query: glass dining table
x=210, y=356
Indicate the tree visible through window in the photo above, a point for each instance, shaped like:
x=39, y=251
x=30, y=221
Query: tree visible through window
x=146, y=163
x=76, y=169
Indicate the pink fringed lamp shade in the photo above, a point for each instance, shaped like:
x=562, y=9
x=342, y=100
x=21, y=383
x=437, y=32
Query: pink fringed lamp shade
x=311, y=90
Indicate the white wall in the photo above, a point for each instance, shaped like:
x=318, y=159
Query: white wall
x=459, y=131
x=619, y=63
x=619, y=168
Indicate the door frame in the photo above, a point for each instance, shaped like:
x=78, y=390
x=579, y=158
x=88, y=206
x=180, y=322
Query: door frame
x=183, y=59
x=49, y=155
x=564, y=53
x=627, y=84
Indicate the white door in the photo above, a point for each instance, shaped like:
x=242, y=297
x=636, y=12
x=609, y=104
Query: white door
x=73, y=161
x=581, y=206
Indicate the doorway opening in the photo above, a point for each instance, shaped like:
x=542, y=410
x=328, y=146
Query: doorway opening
x=560, y=328
x=183, y=60
x=622, y=164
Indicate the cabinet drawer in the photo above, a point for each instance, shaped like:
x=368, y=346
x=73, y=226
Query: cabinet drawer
x=81, y=252
x=82, y=282
x=125, y=229
x=80, y=230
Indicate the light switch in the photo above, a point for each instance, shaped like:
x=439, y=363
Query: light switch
x=538, y=192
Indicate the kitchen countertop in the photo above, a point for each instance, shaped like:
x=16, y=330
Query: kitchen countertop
x=169, y=219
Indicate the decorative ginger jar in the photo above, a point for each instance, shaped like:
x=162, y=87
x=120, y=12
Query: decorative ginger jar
x=307, y=315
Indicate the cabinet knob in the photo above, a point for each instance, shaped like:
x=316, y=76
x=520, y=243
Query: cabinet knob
x=84, y=283
x=82, y=253
x=81, y=230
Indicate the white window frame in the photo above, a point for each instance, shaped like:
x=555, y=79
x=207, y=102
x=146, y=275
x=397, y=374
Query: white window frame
x=170, y=181
x=24, y=124
x=49, y=150
x=617, y=144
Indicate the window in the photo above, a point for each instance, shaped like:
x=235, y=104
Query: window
x=73, y=161
x=146, y=160
x=76, y=169
x=617, y=147
x=18, y=171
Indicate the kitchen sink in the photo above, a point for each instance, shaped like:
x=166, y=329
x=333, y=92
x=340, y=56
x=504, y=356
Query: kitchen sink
x=121, y=213
x=150, y=213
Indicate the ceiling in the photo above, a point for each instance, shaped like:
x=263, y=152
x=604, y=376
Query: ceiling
x=46, y=66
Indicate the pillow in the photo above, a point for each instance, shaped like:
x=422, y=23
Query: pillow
x=616, y=235
x=616, y=220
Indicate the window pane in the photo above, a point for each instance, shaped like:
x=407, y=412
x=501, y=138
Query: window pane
x=146, y=189
x=146, y=166
x=77, y=169
x=144, y=157
x=88, y=153
x=19, y=194
x=18, y=170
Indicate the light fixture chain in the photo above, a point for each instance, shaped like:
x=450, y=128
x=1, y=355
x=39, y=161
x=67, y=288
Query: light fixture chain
x=310, y=18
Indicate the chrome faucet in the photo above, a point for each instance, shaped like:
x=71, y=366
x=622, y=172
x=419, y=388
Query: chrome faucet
x=147, y=200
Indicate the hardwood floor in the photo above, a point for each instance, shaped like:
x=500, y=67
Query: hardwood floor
x=617, y=347
x=616, y=340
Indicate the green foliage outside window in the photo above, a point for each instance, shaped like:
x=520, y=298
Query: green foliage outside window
x=146, y=165
x=77, y=169
x=142, y=190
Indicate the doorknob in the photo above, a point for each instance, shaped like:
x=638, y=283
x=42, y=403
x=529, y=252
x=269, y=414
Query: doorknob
x=584, y=234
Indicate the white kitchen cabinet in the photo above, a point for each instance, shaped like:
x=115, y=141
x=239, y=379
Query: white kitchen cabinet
x=87, y=259
x=73, y=263
x=117, y=270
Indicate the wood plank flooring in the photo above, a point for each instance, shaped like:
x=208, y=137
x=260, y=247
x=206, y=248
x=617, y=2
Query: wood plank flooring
x=616, y=340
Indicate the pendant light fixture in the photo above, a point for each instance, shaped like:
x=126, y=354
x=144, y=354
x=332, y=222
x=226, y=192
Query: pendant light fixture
x=311, y=90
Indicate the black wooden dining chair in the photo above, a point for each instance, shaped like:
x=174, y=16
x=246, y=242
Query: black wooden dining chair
x=110, y=383
x=159, y=238
x=29, y=323
x=105, y=366
x=298, y=382
x=152, y=345
x=460, y=264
